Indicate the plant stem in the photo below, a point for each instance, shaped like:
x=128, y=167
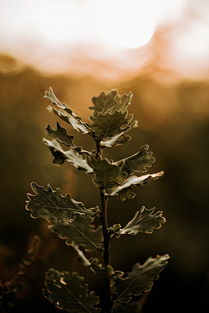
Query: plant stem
x=98, y=149
x=106, y=255
x=106, y=303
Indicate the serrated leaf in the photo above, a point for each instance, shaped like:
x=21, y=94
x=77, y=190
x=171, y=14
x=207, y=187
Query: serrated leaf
x=144, y=221
x=105, y=271
x=138, y=162
x=110, y=119
x=114, y=180
x=100, y=269
x=53, y=206
x=140, y=279
x=60, y=135
x=116, y=140
x=81, y=255
x=74, y=155
x=111, y=102
x=124, y=191
x=65, y=113
x=107, y=174
x=80, y=232
x=69, y=292
x=109, y=125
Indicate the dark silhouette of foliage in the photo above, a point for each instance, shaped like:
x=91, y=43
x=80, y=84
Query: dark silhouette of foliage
x=14, y=288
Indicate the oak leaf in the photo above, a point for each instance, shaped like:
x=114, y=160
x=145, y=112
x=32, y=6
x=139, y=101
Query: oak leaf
x=144, y=221
x=53, y=206
x=69, y=292
x=140, y=279
x=65, y=113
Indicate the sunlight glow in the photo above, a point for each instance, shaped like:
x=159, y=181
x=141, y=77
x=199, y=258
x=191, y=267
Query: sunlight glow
x=110, y=35
x=131, y=24
x=193, y=44
x=115, y=23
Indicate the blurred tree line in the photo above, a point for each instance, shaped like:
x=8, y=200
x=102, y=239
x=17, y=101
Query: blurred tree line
x=173, y=119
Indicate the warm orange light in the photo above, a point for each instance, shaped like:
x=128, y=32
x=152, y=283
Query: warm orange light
x=111, y=23
x=75, y=35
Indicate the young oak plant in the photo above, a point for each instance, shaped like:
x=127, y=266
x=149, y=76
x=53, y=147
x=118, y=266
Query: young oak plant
x=76, y=224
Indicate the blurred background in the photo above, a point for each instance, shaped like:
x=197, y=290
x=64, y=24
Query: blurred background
x=158, y=50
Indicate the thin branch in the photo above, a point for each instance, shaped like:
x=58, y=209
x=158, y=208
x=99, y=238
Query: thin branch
x=106, y=255
x=106, y=303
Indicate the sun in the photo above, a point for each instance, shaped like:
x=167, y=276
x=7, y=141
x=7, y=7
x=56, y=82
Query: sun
x=123, y=24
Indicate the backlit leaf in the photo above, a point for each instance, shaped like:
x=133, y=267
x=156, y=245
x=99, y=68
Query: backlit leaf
x=110, y=119
x=116, y=140
x=144, y=221
x=81, y=255
x=140, y=279
x=53, y=206
x=125, y=190
x=74, y=155
x=105, y=271
x=115, y=180
x=65, y=113
x=60, y=135
x=138, y=162
x=107, y=174
x=111, y=102
x=98, y=268
x=69, y=292
x=80, y=232
x=110, y=125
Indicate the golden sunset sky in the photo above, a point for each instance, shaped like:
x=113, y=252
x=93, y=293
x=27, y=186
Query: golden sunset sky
x=68, y=35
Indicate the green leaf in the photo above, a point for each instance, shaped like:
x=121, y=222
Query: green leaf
x=140, y=279
x=81, y=255
x=65, y=113
x=110, y=119
x=80, y=232
x=116, y=140
x=124, y=191
x=74, y=155
x=69, y=292
x=109, y=125
x=100, y=269
x=107, y=271
x=138, y=162
x=111, y=102
x=53, y=206
x=144, y=221
x=112, y=177
x=60, y=135
x=107, y=174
